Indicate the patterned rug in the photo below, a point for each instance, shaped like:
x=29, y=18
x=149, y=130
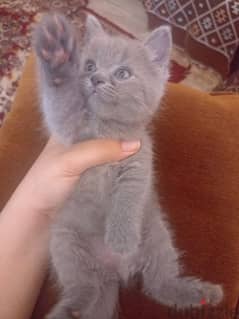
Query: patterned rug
x=208, y=30
x=17, y=18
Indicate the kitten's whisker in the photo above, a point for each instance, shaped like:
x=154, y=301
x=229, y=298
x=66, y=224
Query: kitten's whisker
x=71, y=44
x=58, y=23
x=49, y=37
x=139, y=100
x=108, y=90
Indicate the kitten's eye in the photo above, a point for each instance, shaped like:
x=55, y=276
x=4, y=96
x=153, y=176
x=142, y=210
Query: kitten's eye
x=123, y=73
x=90, y=66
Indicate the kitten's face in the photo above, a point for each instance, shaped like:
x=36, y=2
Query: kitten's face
x=122, y=79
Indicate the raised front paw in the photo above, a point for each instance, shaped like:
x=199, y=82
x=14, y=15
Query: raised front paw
x=55, y=43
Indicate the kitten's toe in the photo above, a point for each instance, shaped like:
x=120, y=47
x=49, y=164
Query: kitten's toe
x=53, y=40
x=205, y=293
x=212, y=294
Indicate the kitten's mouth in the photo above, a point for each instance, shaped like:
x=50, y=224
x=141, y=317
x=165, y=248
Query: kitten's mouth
x=90, y=93
x=93, y=91
x=100, y=93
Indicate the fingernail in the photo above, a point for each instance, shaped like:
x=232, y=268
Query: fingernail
x=130, y=146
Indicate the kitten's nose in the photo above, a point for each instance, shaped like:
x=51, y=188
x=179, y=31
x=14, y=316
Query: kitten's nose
x=97, y=79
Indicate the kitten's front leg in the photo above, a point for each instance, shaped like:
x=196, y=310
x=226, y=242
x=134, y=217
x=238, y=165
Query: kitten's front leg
x=56, y=47
x=123, y=233
x=122, y=247
x=123, y=225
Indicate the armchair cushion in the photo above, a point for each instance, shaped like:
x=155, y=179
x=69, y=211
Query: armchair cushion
x=196, y=139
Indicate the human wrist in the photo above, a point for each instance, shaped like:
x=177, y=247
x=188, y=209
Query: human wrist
x=33, y=197
x=25, y=207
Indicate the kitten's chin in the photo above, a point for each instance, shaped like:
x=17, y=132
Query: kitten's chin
x=95, y=106
x=89, y=94
x=98, y=104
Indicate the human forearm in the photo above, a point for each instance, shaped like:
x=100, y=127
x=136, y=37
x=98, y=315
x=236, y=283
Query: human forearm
x=24, y=235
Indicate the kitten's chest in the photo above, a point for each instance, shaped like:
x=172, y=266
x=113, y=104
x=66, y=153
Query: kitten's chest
x=91, y=201
x=89, y=205
x=97, y=183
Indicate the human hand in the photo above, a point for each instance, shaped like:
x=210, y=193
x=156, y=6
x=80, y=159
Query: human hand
x=54, y=174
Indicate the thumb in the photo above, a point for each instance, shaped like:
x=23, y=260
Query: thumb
x=96, y=152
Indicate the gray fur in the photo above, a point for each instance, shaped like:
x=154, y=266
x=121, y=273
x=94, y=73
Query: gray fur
x=112, y=226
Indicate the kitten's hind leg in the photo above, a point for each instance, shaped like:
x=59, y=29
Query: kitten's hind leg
x=84, y=301
x=184, y=292
x=55, y=43
x=162, y=277
x=87, y=287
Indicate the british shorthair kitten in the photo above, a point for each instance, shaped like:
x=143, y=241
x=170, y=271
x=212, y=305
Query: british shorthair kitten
x=112, y=226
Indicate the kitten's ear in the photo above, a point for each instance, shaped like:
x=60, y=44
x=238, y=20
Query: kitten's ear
x=92, y=27
x=159, y=42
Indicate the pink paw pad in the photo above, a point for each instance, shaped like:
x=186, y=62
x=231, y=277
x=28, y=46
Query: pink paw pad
x=75, y=314
x=46, y=55
x=203, y=302
x=61, y=56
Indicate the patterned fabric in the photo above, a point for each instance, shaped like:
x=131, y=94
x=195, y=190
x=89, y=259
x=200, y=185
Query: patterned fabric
x=14, y=44
x=214, y=24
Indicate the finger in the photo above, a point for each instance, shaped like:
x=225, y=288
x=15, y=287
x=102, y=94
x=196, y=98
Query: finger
x=96, y=152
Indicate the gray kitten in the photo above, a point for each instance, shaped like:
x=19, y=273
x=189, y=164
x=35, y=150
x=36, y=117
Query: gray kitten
x=112, y=226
